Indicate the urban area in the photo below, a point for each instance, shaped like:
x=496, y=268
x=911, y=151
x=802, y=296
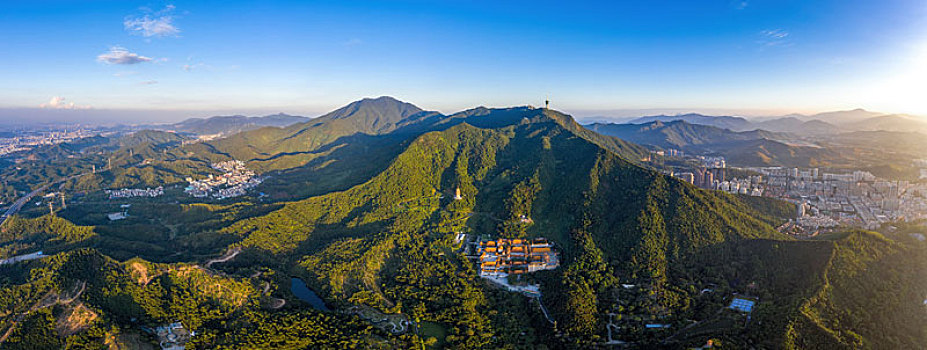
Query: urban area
x=826, y=200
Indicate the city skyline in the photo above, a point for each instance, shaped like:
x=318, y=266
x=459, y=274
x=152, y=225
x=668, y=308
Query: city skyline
x=172, y=60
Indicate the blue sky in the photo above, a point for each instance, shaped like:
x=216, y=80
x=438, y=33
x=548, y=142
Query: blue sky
x=185, y=58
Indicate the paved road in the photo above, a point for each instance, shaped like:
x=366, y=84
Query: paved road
x=25, y=199
x=20, y=203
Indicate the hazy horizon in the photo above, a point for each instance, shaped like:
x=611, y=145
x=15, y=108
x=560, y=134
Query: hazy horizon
x=36, y=116
x=174, y=60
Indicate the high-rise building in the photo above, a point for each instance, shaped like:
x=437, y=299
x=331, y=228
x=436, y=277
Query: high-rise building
x=687, y=177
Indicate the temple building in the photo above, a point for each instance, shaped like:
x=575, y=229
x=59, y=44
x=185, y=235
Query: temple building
x=502, y=257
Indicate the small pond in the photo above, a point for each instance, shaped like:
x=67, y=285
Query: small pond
x=298, y=287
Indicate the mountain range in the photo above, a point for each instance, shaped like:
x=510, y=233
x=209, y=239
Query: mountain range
x=744, y=148
x=723, y=122
x=227, y=125
x=807, y=125
x=361, y=207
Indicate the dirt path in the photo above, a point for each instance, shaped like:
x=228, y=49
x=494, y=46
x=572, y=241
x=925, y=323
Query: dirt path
x=43, y=302
x=612, y=327
x=266, y=288
x=229, y=255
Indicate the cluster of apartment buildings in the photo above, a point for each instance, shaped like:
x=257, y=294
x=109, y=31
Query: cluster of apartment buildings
x=752, y=185
x=135, y=192
x=502, y=257
x=700, y=176
x=825, y=199
x=709, y=162
x=235, y=181
x=855, y=198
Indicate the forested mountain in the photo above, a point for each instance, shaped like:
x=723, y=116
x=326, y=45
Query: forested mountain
x=894, y=122
x=679, y=134
x=797, y=126
x=227, y=125
x=378, y=243
x=744, y=148
x=828, y=123
x=355, y=142
x=843, y=117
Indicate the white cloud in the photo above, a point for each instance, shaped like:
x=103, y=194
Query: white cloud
x=120, y=55
x=774, y=37
x=195, y=66
x=59, y=102
x=740, y=4
x=157, y=24
x=148, y=82
x=775, y=33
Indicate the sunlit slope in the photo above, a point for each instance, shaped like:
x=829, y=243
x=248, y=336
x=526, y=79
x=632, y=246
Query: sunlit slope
x=352, y=144
x=872, y=297
x=610, y=217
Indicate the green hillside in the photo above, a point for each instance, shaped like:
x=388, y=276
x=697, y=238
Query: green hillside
x=378, y=246
x=354, y=143
x=744, y=148
x=872, y=297
x=84, y=300
x=679, y=134
x=611, y=217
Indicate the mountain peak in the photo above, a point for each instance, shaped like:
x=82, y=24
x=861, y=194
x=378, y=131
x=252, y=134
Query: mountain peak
x=384, y=106
x=384, y=98
x=371, y=115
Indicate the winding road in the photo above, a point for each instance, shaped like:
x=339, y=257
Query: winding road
x=229, y=255
x=28, y=197
x=20, y=203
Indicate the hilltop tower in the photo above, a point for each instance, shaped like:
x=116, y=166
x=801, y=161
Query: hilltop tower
x=547, y=103
x=63, y=205
x=457, y=194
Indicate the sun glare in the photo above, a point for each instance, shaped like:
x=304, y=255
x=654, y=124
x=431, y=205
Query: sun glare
x=906, y=90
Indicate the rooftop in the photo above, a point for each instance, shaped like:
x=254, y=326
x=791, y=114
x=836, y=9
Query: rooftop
x=742, y=305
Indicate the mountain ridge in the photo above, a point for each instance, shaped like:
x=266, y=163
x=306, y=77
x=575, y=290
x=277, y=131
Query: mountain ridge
x=227, y=125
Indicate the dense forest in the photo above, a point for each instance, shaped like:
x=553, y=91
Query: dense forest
x=378, y=247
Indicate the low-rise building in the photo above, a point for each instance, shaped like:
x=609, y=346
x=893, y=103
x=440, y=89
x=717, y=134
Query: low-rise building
x=502, y=257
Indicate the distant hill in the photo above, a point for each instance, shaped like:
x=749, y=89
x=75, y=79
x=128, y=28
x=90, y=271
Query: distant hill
x=797, y=126
x=863, y=120
x=911, y=142
x=153, y=137
x=827, y=123
x=765, y=152
x=226, y=125
x=893, y=122
x=745, y=148
x=679, y=134
x=844, y=117
x=724, y=122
